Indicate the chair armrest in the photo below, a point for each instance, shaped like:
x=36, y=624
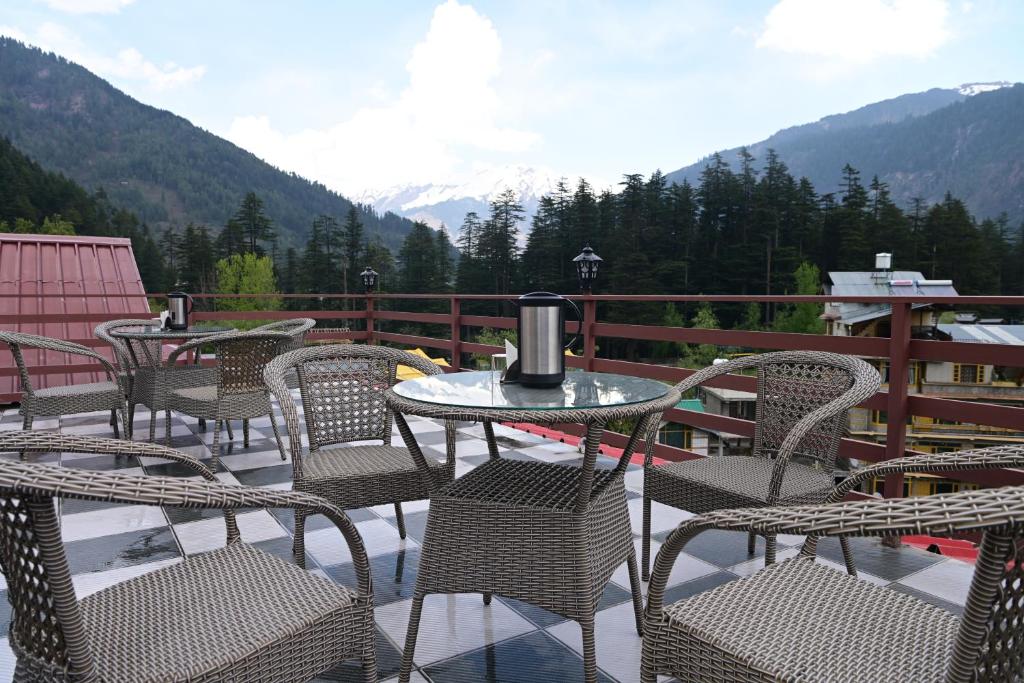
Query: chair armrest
x=996, y=457
x=47, y=480
x=943, y=514
x=47, y=442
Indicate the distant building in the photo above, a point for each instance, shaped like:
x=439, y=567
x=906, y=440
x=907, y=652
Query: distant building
x=941, y=379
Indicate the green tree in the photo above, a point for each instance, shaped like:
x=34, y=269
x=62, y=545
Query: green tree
x=352, y=242
x=803, y=318
x=247, y=274
x=255, y=227
x=702, y=355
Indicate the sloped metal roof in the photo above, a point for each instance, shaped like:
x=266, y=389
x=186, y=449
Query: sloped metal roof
x=50, y=275
x=986, y=334
x=868, y=283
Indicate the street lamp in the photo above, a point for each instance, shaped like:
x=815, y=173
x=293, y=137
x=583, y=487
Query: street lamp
x=586, y=268
x=369, y=276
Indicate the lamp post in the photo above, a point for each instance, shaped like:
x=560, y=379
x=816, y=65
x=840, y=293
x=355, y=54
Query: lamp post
x=586, y=268
x=369, y=276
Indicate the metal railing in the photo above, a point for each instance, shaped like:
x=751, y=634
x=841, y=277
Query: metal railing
x=372, y=320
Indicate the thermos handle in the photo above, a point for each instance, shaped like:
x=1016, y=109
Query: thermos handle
x=191, y=305
x=579, y=323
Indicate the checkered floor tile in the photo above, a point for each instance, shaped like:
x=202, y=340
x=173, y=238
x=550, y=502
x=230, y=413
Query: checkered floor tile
x=461, y=639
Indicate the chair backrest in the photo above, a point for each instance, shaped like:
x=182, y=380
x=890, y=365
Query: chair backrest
x=17, y=341
x=342, y=389
x=122, y=354
x=241, y=357
x=792, y=384
x=47, y=633
x=296, y=328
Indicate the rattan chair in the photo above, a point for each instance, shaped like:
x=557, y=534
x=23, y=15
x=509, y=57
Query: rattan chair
x=144, y=376
x=238, y=392
x=297, y=329
x=232, y=614
x=802, y=401
x=70, y=399
x=342, y=391
x=803, y=621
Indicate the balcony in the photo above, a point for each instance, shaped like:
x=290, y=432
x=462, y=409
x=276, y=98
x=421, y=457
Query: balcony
x=460, y=639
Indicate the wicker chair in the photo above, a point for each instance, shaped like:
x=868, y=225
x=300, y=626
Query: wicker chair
x=70, y=399
x=342, y=386
x=232, y=614
x=145, y=378
x=802, y=401
x=238, y=392
x=297, y=328
x=803, y=621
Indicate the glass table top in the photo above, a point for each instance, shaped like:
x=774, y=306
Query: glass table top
x=484, y=390
x=157, y=332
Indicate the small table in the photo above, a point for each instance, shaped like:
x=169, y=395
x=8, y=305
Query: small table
x=547, y=534
x=150, y=379
x=154, y=333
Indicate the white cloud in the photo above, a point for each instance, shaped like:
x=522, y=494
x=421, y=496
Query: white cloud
x=88, y=6
x=127, y=67
x=448, y=106
x=852, y=32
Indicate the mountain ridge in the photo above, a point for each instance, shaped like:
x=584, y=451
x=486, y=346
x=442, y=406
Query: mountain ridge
x=920, y=144
x=152, y=161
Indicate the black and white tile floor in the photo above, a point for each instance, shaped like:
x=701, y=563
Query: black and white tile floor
x=460, y=639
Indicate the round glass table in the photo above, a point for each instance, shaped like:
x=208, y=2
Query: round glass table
x=548, y=534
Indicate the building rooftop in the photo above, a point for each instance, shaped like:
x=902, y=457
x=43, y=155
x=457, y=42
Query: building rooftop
x=460, y=640
x=874, y=283
x=985, y=334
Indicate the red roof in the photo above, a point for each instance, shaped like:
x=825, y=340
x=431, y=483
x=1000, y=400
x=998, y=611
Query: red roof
x=62, y=287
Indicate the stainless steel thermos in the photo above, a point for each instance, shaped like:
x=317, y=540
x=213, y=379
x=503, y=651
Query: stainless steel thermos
x=179, y=305
x=541, y=361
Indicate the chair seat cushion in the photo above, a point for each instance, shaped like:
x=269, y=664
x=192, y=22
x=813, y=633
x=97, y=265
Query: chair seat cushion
x=361, y=476
x=213, y=611
x=200, y=394
x=93, y=388
x=719, y=482
x=803, y=621
x=348, y=461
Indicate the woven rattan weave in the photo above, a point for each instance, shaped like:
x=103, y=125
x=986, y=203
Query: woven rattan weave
x=342, y=390
x=233, y=614
x=802, y=401
x=548, y=534
x=239, y=392
x=71, y=399
x=296, y=328
x=145, y=377
x=801, y=621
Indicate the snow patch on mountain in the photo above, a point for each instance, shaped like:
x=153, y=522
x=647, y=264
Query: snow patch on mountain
x=970, y=89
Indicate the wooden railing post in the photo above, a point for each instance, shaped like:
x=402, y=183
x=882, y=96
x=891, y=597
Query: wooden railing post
x=456, y=333
x=369, y=319
x=589, y=343
x=896, y=407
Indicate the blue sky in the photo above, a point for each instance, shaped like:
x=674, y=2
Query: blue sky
x=369, y=95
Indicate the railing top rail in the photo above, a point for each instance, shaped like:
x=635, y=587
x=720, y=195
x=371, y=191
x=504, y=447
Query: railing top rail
x=966, y=300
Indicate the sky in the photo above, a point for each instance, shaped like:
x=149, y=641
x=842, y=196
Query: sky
x=364, y=96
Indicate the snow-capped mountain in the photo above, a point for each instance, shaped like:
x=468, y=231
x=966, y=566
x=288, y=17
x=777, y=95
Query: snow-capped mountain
x=970, y=89
x=448, y=204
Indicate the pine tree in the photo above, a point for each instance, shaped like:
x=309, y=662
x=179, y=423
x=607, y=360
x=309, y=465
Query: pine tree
x=352, y=237
x=253, y=223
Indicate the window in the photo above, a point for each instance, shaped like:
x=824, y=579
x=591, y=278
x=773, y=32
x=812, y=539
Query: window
x=968, y=374
x=883, y=370
x=879, y=417
x=680, y=436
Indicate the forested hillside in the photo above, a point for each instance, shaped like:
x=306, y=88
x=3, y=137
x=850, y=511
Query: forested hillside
x=33, y=200
x=744, y=232
x=972, y=147
x=149, y=161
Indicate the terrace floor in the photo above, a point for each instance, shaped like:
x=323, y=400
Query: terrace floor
x=460, y=639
